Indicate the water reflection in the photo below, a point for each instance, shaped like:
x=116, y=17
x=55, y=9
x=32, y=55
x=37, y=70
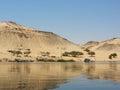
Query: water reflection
x=113, y=65
x=44, y=76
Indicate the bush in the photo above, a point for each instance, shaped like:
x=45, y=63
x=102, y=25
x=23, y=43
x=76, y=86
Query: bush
x=87, y=60
x=39, y=60
x=50, y=60
x=21, y=60
x=62, y=60
x=72, y=53
x=65, y=54
x=71, y=60
x=113, y=55
x=91, y=53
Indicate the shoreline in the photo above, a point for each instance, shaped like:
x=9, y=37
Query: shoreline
x=61, y=60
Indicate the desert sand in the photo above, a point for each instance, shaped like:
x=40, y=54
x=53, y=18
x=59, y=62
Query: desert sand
x=17, y=37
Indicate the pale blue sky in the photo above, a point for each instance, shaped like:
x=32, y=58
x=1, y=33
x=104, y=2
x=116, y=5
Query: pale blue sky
x=77, y=20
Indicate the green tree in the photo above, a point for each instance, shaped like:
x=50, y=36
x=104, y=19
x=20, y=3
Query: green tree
x=87, y=50
x=26, y=54
x=14, y=52
x=73, y=53
x=11, y=51
x=47, y=53
x=65, y=54
x=113, y=55
x=18, y=53
x=91, y=53
x=80, y=53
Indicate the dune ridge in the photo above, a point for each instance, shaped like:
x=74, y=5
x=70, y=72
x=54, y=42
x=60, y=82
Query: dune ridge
x=14, y=36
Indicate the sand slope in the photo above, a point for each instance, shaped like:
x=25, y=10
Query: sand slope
x=104, y=48
x=17, y=37
x=14, y=36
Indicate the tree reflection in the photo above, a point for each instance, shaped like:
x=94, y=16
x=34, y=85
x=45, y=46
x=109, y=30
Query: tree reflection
x=113, y=65
x=44, y=76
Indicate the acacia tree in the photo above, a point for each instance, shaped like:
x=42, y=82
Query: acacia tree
x=65, y=54
x=18, y=53
x=91, y=53
x=26, y=53
x=14, y=52
x=73, y=53
x=87, y=50
x=47, y=53
x=80, y=53
x=113, y=55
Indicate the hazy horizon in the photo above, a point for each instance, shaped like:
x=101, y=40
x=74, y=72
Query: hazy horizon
x=76, y=20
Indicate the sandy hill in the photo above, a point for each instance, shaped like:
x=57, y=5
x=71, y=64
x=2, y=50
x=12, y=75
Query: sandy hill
x=14, y=36
x=90, y=44
x=107, y=45
x=17, y=37
x=104, y=48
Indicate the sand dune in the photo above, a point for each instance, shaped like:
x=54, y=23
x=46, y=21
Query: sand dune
x=14, y=36
x=17, y=37
x=104, y=48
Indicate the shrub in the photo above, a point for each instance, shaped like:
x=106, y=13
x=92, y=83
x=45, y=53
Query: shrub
x=113, y=55
x=87, y=60
x=50, y=60
x=73, y=53
x=91, y=53
x=62, y=60
x=39, y=60
x=70, y=60
x=27, y=53
x=14, y=52
x=65, y=54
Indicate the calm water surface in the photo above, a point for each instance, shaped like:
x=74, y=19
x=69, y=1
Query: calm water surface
x=59, y=76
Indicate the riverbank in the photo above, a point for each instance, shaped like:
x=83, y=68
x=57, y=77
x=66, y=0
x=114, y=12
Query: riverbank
x=7, y=57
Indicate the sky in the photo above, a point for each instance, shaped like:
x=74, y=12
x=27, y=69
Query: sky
x=79, y=21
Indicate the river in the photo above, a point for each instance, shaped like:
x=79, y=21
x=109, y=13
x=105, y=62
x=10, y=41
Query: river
x=59, y=76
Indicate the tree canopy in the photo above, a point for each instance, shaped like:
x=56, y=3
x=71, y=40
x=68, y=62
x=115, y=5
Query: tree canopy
x=72, y=53
x=113, y=55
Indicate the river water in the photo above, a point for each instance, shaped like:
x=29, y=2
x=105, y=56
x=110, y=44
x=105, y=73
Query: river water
x=59, y=76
